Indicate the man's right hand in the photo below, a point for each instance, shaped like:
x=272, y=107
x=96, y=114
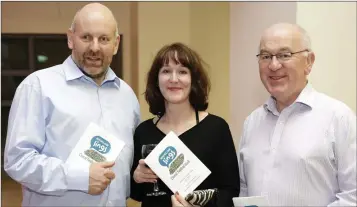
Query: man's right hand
x=143, y=174
x=100, y=176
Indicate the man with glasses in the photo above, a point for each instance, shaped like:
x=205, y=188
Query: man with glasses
x=299, y=148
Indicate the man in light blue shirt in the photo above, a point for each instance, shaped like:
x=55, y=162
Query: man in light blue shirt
x=53, y=107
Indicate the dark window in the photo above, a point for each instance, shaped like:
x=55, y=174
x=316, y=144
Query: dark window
x=50, y=51
x=9, y=85
x=14, y=53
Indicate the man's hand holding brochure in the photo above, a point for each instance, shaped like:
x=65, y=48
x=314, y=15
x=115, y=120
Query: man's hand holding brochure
x=96, y=151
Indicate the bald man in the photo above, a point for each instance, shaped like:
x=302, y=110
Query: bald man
x=299, y=148
x=53, y=107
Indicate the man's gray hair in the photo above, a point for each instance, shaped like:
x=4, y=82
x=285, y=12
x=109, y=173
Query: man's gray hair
x=306, y=41
x=305, y=38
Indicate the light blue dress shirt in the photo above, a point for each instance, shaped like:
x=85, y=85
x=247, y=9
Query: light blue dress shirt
x=303, y=156
x=50, y=111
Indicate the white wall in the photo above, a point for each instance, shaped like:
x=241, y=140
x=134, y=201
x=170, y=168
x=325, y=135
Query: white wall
x=332, y=28
x=247, y=21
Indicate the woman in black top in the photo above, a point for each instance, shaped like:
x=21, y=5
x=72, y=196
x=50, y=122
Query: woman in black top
x=177, y=93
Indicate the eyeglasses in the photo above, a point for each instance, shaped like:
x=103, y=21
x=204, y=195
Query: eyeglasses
x=281, y=57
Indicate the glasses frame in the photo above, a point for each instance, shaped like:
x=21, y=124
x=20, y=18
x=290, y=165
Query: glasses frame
x=271, y=56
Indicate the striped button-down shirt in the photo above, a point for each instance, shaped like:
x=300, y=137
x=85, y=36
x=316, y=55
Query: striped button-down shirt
x=305, y=155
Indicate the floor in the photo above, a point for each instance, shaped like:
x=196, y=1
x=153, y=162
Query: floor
x=11, y=193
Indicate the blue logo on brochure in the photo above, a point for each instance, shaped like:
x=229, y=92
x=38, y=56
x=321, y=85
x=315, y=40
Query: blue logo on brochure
x=100, y=144
x=167, y=156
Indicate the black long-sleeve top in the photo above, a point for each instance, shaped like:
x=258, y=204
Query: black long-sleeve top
x=211, y=141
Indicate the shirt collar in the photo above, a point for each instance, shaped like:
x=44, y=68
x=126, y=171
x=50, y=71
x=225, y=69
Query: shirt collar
x=306, y=97
x=111, y=76
x=72, y=72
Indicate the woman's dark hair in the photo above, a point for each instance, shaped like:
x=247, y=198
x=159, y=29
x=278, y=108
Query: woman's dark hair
x=200, y=84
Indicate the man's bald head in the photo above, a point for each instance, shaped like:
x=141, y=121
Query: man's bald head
x=94, y=40
x=94, y=10
x=288, y=29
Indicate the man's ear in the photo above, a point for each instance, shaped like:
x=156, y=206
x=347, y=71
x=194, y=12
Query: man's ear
x=310, y=62
x=117, y=42
x=70, y=39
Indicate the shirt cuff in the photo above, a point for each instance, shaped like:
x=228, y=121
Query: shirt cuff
x=78, y=178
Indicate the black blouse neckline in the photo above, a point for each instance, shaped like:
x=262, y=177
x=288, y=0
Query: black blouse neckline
x=188, y=130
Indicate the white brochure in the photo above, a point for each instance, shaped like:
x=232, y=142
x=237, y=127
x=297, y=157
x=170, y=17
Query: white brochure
x=95, y=145
x=176, y=165
x=253, y=201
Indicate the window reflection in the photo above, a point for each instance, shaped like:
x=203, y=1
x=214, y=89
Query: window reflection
x=50, y=51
